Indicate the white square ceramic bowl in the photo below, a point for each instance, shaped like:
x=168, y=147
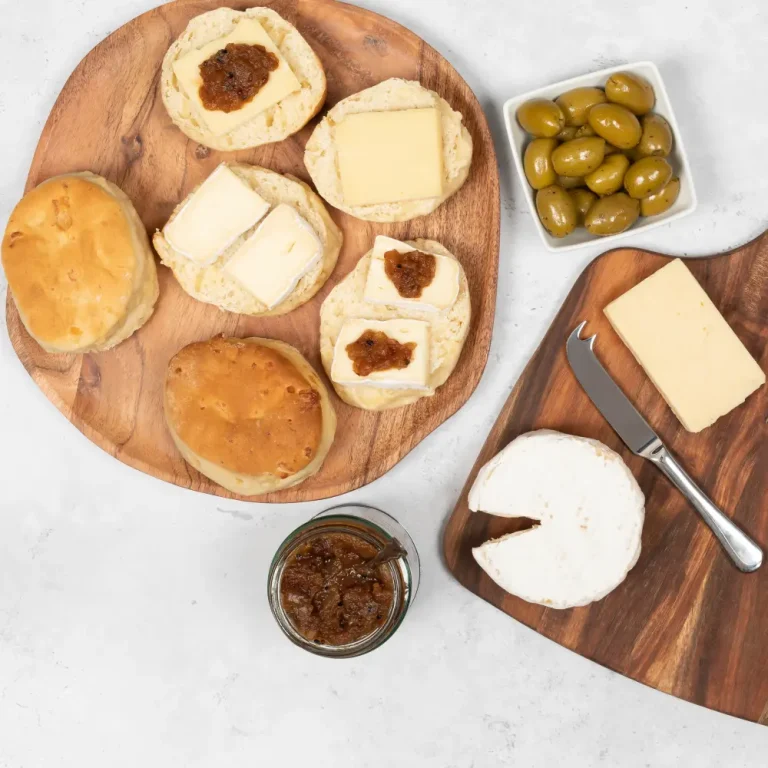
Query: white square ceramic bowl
x=686, y=201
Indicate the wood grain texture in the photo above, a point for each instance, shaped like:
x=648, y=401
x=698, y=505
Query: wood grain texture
x=110, y=119
x=685, y=621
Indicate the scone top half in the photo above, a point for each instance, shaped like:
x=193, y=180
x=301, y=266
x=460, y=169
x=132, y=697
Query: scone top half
x=79, y=264
x=250, y=414
x=220, y=93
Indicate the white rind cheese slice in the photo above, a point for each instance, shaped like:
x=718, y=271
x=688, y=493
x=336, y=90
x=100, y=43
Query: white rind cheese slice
x=440, y=295
x=390, y=157
x=413, y=376
x=281, y=83
x=215, y=215
x=685, y=345
x=282, y=249
x=590, y=511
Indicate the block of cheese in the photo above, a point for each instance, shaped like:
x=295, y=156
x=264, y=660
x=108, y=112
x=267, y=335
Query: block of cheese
x=414, y=376
x=439, y=295
x=685, y=345
x=390, y=157
x=282, y=249
x=215, y=215
x=281, y=81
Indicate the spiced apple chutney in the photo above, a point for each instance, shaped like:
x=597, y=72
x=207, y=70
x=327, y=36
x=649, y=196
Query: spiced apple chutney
x=329, y=593
x=326, y=591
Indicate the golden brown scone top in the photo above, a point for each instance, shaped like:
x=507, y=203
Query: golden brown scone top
x=69, y=257
x=243, y=406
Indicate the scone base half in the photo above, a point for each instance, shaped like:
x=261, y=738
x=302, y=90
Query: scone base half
x=448, y=332
x=213, y=285
x=273, y=438
x=276, y=123
x=394, y=94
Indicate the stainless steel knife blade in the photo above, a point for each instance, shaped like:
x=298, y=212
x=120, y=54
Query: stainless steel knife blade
x=606, y=394
x=633, y=429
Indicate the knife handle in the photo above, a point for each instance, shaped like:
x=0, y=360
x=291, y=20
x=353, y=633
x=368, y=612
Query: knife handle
x=744, y=552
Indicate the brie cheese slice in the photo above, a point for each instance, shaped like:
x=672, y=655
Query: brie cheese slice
x=414, y=376
x=439, y=295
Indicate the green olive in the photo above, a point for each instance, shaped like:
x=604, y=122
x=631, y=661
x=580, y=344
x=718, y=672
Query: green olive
x=610, y=149
x=609, y=176
x=578, y=157
x=541, y=117
x=537, y=163
x=647, y=176
x=631, y=91
x=556, y=210
x=613, y=214
x=570, y=182
x=616, y=124
x=567, y=133
x=662, y=200
x=582, y=199
x=576, y=104
x=656, y=139
x=584, y=130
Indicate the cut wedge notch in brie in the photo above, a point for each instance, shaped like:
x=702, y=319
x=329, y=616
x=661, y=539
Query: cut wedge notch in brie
x=282, y=249
x=214, y=216
x=282, y=81
x=590, y=511
x=414, y=376
x=439, y=295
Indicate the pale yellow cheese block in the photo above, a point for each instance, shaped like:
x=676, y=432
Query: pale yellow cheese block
x=686, y=346
x=390, y=157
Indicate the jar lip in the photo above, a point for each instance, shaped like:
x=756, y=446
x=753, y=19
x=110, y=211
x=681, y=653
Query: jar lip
x=401, y=576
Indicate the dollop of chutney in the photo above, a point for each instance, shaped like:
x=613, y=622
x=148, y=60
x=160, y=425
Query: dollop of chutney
x=329, y=595
x=234, y=75
x=375, y=351
x=410, y=272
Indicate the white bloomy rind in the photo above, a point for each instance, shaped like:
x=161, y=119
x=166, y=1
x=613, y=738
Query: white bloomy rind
x=590, y=511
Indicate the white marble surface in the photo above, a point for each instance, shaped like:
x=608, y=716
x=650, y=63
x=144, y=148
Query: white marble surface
x=134, y=628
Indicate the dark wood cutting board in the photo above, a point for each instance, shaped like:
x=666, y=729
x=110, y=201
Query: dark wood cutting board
x=109, y=118
x=685, y=621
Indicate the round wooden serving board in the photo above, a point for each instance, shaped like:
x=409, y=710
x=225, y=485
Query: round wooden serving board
x=110, y=119
x=685, y=621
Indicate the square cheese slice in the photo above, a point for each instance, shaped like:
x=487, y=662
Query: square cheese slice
x=685, y=346
x=390, y=157
x=439, y=295
x=216, y=214
x=281, y=83
x=276, y=256
x=413, y=376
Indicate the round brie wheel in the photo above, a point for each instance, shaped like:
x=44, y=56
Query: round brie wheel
x=590, y=511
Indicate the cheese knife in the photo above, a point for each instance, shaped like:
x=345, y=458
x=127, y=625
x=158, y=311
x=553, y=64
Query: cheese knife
x=634, y=430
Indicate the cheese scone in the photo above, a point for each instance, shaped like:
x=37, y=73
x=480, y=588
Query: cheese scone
x=590, y=511
x=250, y=241
x=79, y=264
x=365, y=311
x=389, y=153
x=239, y=79
x=250, y=414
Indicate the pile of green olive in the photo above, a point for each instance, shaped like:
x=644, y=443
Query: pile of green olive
x=599, y=157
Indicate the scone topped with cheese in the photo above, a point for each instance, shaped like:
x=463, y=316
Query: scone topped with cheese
x=389, y=153
x=392, y=331
x=251, y=241
x=79, y=264
x=250, y=414
x=239, y=79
